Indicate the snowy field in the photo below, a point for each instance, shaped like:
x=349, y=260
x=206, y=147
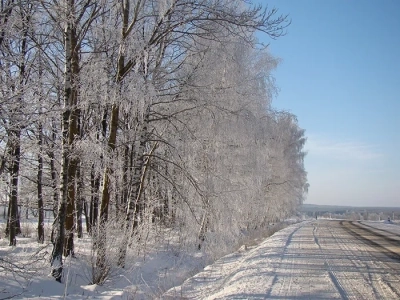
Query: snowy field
x=310, y=260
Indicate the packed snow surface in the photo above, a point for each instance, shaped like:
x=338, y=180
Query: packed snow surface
x=310, y=260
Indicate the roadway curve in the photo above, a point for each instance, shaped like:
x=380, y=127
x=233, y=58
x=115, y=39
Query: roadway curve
x=321, y=259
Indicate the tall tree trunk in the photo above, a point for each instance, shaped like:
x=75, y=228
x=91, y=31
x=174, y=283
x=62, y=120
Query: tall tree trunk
x=125, y=181
x=15, y=133
x=40, y=229
x=80, y=183
x=63, y=242
x=14, y=216
x=40, y=186
x=105, y=197
x=94, y=201
x=7, y=231
x=73, y=133
x=136, y=206
x=79, y=201
x=58, y=234
x=95, y=179
x=203, y=229
x=53, y=170
x=87, y=216
x=122, y=70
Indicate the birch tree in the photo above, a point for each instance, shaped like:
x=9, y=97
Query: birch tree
x=16, y=65
x=147, y=113
x=75, y=17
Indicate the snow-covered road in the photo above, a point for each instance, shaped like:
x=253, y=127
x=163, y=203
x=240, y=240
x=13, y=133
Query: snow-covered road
x=321, y=259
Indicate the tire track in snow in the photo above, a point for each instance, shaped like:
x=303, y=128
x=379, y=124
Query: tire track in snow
x=386, y=233
x=384, y=284
x=231, y=270
x=300, y=271
x=331, y=273
x=249, y=255
x=391, y=250
x=282, y=255
x=352, y=255
x=392, y=289
x=285, y=250
x=316, y=260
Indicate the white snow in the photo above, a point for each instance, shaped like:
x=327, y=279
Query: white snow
x=308, y=260
x=25, y=271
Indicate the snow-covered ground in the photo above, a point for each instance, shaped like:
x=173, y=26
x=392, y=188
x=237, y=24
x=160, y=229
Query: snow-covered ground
x=310, y=260
x=25, y=270
x=163, y=260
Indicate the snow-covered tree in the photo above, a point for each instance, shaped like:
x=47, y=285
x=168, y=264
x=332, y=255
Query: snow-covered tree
x=142, y=114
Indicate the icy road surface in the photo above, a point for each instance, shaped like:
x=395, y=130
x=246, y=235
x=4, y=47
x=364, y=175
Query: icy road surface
x=322, y=259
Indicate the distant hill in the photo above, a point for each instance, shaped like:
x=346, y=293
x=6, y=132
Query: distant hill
x=338, y=208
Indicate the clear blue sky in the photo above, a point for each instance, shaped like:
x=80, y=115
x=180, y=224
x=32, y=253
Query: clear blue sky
x=340, y=74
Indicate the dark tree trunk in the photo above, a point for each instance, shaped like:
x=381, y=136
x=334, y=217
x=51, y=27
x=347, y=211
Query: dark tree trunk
x=53, y=170
x=7, y=231
x=125, y=182
x=73, y=133
x=94, y=201
x=58, y=234
x=63, y=234
x=69, y=218
x=203, y=230
x=40, y=187
x=79, y=202
x=85, y=212
x=13, y=220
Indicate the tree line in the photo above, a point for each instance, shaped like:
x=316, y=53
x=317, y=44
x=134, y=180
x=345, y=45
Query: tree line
x=125, y=115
